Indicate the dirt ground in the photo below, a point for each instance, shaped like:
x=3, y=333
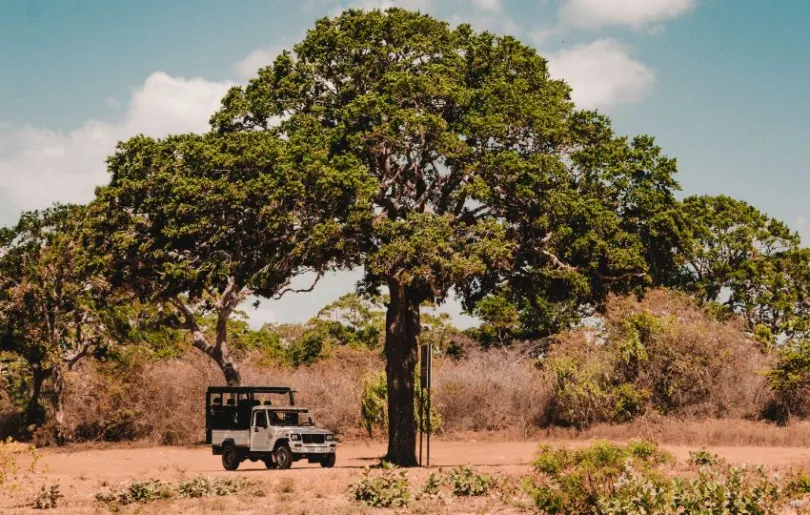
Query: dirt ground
x=305, y=488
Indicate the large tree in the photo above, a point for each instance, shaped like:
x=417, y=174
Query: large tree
x=54, y=309
x=198, y=223
x=485, y=173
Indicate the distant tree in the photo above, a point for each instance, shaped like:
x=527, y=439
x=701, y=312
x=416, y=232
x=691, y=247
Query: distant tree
x=199, y=223
x=748, y=263
x=772, y=294
x=484, y=171
x=54, y=309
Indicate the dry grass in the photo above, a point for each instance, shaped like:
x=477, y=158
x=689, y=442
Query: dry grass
x=673, y=431
x=712, y=369
x=498, y=390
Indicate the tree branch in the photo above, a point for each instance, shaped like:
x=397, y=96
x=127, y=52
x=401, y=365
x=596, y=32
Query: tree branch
x=304, y=290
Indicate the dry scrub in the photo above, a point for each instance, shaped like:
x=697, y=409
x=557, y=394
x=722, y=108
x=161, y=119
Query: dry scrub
x=660, y=368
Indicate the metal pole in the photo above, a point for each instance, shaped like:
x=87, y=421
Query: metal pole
x=429, y=380
x=421, y=420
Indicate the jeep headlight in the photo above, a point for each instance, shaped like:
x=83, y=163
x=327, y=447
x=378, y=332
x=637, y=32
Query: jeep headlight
x=330, y=438
x=295, y=437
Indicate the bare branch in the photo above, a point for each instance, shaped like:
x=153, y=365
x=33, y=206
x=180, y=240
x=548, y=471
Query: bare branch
x=304, y=290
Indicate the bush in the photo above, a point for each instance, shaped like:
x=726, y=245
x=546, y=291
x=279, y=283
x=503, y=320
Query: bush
x=153, y=490
x=374, y=404
x=466, y=483
x=798, y=485
x=789, y=380
x=206, y=487
x=577, y=481
x=10, y=452
x=389, y=489
x=703, y=458
x=663, y=354
x=610, y=479
x=47, y=498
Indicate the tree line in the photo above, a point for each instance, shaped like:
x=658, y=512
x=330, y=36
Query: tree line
x=439, y=159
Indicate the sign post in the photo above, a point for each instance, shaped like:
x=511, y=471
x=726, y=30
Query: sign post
x=425, y=380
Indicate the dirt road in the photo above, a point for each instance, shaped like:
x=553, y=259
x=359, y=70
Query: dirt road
x=82, y=473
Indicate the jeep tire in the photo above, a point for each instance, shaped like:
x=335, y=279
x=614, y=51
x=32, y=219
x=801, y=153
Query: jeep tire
x=284, y=457
x=269, y=463
x=230, y=457
x=328, y=461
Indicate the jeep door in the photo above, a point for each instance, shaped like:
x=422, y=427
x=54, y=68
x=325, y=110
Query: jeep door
x=260, y=435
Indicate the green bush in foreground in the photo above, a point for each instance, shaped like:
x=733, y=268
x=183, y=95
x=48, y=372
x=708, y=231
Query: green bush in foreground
x=612, y=479
x=466, y=483
x=154, y=490
x=390, y=489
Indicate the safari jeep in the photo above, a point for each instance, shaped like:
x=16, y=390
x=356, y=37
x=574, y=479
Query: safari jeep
x=244, y=423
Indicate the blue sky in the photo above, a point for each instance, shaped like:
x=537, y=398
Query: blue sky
x=723, y=85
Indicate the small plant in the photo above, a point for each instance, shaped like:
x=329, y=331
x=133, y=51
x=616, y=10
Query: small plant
x=467, y=483
x=207, y=487
x=154, y=490
x=735, y=490
x=286, y=486
x=432, y=486
x=47, y=498
x=147, y=491
x=390, y=489
x=703, y=458
x=798, y=485
x=10, y=452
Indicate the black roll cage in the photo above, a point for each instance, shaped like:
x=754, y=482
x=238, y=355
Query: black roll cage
x=246, y=396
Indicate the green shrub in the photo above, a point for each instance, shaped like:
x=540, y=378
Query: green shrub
x=703, y=458
x=10, y=452
x=466, y=483
x=374, y=404
x=732, y=491
x=389, y=489
x=579, y=395
x=154, y=490
x=789, y=380
x=47, y=498
x=432, y=486
x=147, y=491
x=207, y=487
x=798, y=485
x=611, y=479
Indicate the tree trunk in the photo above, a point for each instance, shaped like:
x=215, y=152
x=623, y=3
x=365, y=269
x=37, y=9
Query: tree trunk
x=59, y=405
x=402, y=327
x=34, y=411
x=221, y=357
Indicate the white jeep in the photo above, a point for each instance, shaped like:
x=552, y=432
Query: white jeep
x=239, y=426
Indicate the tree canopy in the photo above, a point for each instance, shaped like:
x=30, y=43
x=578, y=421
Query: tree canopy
x=54, y=309
x=200, y=222
x=485, y=173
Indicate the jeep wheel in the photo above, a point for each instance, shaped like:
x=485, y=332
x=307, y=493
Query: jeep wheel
x=328, y=461
x=284, y=456
x=269, y=463
x=230, y=457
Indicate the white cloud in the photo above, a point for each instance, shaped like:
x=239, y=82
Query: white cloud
x=385, y=4
x=602, y=74
x=634, y=13
x=39, y=166
x=487, y=5
x=248, y=67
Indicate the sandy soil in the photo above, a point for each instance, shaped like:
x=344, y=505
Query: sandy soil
x=305, y=488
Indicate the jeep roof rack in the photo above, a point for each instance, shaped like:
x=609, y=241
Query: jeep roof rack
x=250, y=389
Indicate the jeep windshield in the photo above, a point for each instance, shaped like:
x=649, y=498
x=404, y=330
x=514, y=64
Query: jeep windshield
x=290, y=418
